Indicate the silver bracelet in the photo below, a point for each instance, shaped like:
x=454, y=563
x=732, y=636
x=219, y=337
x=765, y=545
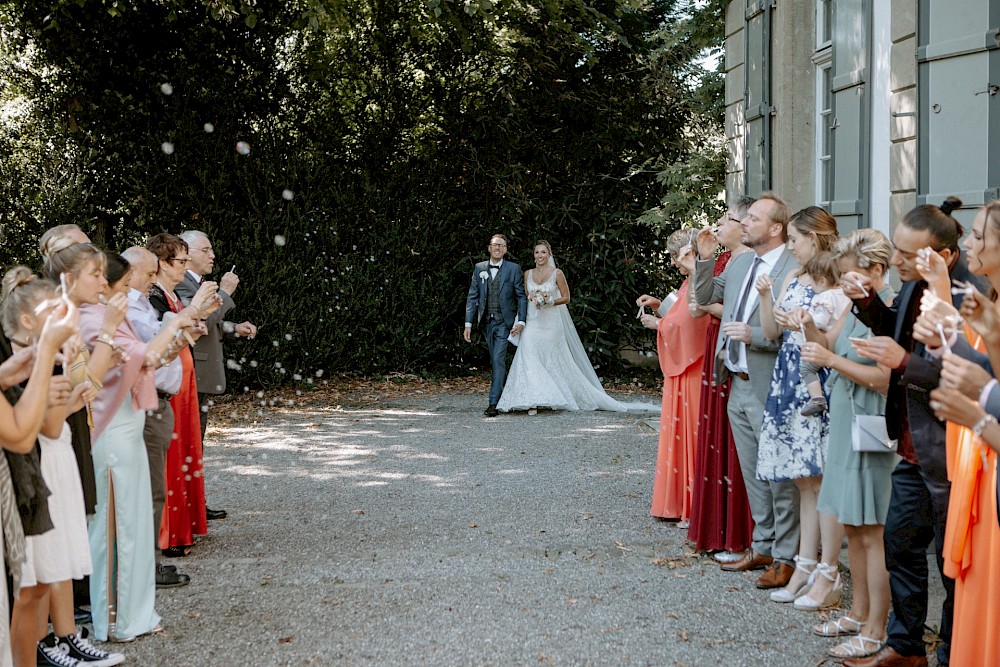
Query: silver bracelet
x=982, y=424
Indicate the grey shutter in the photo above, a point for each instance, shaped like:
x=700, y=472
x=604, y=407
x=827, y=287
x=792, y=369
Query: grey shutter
x=850, y=114
x=757, y=97
x=958, y=75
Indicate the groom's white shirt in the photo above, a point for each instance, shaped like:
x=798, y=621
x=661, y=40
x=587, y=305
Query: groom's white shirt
x=768, y=259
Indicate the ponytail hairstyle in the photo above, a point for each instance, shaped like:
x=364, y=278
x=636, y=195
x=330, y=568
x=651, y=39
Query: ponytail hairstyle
x=816, y=222
x=937, y=220
x=22, y=292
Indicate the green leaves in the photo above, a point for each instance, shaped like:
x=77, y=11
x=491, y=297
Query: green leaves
x=408, y=133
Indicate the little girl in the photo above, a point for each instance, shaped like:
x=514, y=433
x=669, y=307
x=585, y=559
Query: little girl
x=827, y=307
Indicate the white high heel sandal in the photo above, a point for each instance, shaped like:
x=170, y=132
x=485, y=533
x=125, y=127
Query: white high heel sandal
x=832, y=599
x=784, y=595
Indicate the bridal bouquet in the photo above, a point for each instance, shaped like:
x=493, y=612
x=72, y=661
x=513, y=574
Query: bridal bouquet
x=539, y=298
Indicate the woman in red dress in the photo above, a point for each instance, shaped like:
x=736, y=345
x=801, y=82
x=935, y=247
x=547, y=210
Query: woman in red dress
x=720, y=511
x=680, y=346
x=184, y=510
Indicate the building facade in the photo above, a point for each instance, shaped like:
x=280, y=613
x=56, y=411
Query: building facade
x=865, y=107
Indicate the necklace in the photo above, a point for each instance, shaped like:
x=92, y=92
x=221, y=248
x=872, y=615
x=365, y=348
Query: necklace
x=19, y=343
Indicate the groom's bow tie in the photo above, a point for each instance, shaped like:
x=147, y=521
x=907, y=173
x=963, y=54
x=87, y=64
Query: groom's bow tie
x=494, y=266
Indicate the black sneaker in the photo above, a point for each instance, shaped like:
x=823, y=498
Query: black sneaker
x=85, y=653
x=52, y=656
x=167, y=579
x=815, y=406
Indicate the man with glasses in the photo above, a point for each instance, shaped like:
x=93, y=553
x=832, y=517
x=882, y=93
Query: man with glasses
x=497, y=300
x=209, y=358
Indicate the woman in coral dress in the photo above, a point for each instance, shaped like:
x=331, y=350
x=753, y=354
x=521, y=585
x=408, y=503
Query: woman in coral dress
x=680, y=346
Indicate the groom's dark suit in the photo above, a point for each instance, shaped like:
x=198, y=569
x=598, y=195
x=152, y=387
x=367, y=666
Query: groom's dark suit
x=510, y=305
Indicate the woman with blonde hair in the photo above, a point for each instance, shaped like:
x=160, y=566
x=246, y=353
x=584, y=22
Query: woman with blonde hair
x=680, y=346
x=854, y=495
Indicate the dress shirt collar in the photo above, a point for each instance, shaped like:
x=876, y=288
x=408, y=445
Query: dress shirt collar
x=771, y=257
x=490, y=263
x=194, y=275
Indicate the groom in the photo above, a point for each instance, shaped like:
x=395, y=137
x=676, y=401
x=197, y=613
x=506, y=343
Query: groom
x=496, y=296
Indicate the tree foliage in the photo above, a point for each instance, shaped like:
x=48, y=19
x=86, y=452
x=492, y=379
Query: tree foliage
x=387, y=142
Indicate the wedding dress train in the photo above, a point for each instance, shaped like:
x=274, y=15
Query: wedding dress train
x=551, y=369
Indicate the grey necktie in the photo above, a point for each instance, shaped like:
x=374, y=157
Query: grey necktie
x=734, y=348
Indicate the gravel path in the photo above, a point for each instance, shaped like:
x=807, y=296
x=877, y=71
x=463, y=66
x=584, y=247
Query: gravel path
x=417, y=532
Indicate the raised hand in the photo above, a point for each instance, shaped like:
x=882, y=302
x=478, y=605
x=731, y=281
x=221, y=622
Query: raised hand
x=951, y=405
x=83, y=394
x=963, y=375
x=59, y=326
x=932, y=268
x=708, y=244
x=686, y=259
x=936, y=317
x=816, y=354
x=856, y=285
x=229, y=282
x=650, y=321
x=981, y=314
x=648, y=301
x=881, y=349
x=17, y=368
x=765, y=286
x=204, y=300
x=247, y=329
x=59, y=391
x=114, y=312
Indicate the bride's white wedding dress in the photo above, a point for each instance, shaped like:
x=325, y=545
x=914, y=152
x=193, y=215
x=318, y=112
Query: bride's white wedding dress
x=551, y=368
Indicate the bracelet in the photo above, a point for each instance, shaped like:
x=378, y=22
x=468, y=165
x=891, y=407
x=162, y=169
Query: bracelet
x=105, y=338
x=982, y=424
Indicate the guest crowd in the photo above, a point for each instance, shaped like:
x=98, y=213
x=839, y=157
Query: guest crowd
x=804, y=400
x=108, y=363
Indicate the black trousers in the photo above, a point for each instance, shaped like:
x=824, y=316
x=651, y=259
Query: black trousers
x=917, y=514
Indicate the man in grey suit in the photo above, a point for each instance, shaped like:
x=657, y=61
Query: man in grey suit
x=496, y=298
x=746, y=355
x=209, y=359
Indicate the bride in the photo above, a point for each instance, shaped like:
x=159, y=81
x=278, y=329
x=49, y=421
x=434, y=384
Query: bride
x=551, y=368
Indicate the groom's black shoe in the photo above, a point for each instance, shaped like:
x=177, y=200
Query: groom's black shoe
x=491, y=411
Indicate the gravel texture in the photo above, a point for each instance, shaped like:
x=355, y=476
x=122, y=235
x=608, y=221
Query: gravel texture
x=417, y=532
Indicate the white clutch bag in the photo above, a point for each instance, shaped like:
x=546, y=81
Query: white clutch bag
x=869, y=434
x=666, y=304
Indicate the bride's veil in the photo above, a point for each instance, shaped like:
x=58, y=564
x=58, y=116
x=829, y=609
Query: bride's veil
x=582, y=361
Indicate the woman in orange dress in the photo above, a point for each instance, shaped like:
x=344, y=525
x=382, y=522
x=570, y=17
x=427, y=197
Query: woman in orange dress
x=680, y=345
x=972, y=534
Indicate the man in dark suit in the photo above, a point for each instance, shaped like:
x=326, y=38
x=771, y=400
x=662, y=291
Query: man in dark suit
x=744, y=353
x=496, y=299
x=209, y=358
x=920, y=487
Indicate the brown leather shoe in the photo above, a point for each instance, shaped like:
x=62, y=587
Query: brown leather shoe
x=888, y=657
x=776, y=575
x=751, y=561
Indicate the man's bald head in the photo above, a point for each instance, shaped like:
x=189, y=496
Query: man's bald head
x=144, y=268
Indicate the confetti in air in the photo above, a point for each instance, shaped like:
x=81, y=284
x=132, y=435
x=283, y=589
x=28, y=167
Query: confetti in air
x=279, y=240
x=287, y=195
x=208, y=127
x=167, y=147
x=243, y=148
x=166, y=89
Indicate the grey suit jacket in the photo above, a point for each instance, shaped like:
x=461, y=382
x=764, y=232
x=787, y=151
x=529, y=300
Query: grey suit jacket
x=725, y=288
x=209, y=358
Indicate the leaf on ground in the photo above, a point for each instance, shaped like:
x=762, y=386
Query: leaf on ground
x=286, y=640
